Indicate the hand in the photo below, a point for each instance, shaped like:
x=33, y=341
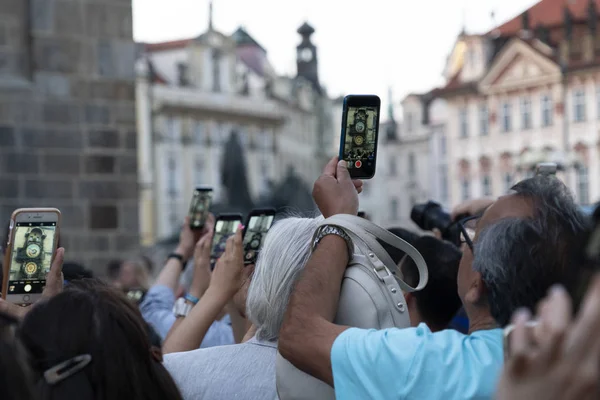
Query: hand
x=230, y=275
x=335, y=192
x=559, y=358
x=471, y=207
x=201, y=278
x=54, y=285
x=188, y=237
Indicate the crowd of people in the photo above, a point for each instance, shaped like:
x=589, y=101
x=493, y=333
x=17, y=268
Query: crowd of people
x=193, y=333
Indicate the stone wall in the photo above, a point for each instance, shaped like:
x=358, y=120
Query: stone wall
x=67, y=121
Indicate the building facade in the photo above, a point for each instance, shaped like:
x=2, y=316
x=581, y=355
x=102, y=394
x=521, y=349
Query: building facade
x=524, y=93
x=194, y=95
x=67, y=121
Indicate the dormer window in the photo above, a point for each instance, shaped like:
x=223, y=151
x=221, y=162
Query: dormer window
x=216, y=70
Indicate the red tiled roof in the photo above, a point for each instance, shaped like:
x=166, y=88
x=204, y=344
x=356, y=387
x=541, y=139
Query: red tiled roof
x=546, y=12
x=172, y=45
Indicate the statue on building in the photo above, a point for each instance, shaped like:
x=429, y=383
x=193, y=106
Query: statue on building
x=291, y=194
x=233, y=175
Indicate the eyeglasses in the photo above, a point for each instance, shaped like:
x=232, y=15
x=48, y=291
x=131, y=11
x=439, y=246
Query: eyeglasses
x=467, y=230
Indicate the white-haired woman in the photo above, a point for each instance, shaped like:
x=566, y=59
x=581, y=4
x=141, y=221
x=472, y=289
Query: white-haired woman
x=247, y=370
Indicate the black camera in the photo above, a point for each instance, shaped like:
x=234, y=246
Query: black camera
x=431, y=215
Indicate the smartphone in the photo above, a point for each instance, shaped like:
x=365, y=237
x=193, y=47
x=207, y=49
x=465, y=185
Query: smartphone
x=257, y=225
x=362, y=214
x=136, y=295
x=31, y=246
x=201, y=202
x=360, y=132
x=225, y=226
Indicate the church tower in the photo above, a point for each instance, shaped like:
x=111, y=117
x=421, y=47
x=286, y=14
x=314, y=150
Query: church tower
x=306, y=57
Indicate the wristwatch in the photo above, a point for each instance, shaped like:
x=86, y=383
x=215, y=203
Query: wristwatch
x=180, y=258
x=327, y=230
x=182, y=308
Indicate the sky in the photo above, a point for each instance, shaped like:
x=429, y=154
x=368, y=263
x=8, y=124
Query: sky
x=364, y=47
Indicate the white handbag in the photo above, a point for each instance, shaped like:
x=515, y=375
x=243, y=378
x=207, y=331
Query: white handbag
x=371, y=297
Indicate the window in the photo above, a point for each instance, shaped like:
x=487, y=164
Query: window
x=199, y=167
x=199, y=133
x=216, y=70
x=394, y=209
x=443, y=145
x=466, y=189
x=579, y=105
x=409, y=122
x=173, y=128
x=508, y=181
x=583, y=190
x=265, y=141
x=464, y=122
x=547, y=112
x=486, y=184
x=172, y=177
x=265, y=179
x=444, y=183
x=412, y=167
x=483, y=120
x=393, y=171
x=505, y=117
x=525, y=113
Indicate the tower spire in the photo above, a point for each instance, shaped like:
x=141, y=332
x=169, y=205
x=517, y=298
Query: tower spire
x=391, y=105
x=210, y=15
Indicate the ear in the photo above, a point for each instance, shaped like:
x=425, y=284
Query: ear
x=476, y=292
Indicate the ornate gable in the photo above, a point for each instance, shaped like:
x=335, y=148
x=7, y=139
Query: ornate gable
x=520, y=65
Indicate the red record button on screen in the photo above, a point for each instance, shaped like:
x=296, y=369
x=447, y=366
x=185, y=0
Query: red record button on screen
x=358, y=164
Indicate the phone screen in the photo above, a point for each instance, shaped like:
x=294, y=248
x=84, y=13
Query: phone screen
x=31, y=257
x=359, y=135
x=256, y=230
x=224, y=228
x=201, y=202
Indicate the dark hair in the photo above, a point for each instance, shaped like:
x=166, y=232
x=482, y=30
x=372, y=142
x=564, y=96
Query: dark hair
x=438, y=302
x=89, y=317
x=15, y=380
x=74, y=271
x=113, y=268
x=521, y=258
x=408, y=236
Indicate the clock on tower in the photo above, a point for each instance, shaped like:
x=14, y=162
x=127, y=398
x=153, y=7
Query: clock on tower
x=31, y=254
x=306, y=57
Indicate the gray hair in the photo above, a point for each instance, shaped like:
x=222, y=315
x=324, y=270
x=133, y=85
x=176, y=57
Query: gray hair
x=285, y=252
x=521, y=258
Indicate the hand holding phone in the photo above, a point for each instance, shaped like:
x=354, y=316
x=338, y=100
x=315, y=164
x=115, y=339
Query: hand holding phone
x=257, y=225
x=225, y=226
x=360, y=132
x=31, y=248
x=199, y=207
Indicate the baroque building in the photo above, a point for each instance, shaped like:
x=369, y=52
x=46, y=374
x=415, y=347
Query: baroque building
x=194, y=96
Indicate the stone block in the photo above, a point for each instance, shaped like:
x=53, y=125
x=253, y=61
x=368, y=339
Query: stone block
x=62, y=164
x=103, y=217
x=98, y=265
x=10, y=188
x=13, y=8
x=107, y=190
x=104, y=138
x=42, y=15
x=126, y=243
x=91, y=243
x=53, y=85
x=3, y=34
x=95, y=164
x=22, y=162
x=47, y=138
x=97, y=114
x=7, y=136
x=44, y=189
x=131, y=140
x=57, y=55
x=73, y=217
x=129, y=218
x=106, y=63
x=26, y=111
x=125, y=91
x=128, y=165
x=68, y=18
x=125, y=113
x=61, y=113
x=124, y=57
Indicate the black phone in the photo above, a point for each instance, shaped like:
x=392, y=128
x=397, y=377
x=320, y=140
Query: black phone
x=360, y=133
x=201, y=202
x=362, y=214
x=226, y=225
x=257, y=225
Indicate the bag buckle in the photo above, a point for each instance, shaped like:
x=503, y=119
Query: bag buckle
x=379, y=268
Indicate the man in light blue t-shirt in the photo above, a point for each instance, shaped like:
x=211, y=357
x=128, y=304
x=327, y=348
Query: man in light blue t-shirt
x=513, y=253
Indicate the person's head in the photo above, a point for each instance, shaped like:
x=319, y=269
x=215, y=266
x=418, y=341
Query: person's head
x=524, y=243
x=284, y=254
x=438, y=302
x=15, y=379
x=133, y=274
x=74, y=271
x=113, y=269
x=97, y=326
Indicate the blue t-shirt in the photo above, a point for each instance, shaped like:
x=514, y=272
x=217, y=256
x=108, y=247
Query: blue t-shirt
x=414, y=363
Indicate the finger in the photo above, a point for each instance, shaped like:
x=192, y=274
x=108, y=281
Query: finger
x=519, y=338
x=238, y=237
x=358, y=183
x=342, y=173
x=210, y=221
x=56, y=267
x=584, y=335
x=331, y=167
x=229, y=245
x=359, y=190
x=13, y=310
x=186, y=221
x=558, y=310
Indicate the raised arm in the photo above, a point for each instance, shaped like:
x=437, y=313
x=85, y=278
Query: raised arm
x=307, y=334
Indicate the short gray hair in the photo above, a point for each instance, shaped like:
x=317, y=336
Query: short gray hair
x=285, y=252
x=521, y=258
